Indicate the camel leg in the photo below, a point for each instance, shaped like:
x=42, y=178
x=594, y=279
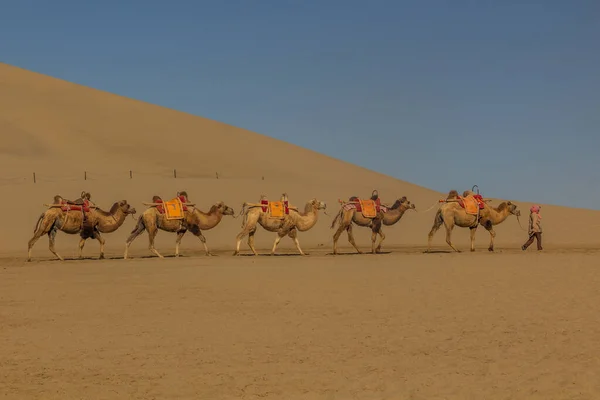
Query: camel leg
x=43, y=228
x=139, y=229
x=381, y=241
x=248, y=228
x=373, y=240
x=238, y=241
x=203, y=240
x=81, y=244
x=277, y=240
x=489, y=227
x=101, y=240
x=337, y=235
x=351, y=238
x=178, y=241
x=375, y=230
x=449, y=228
x=378, y=248
x=151, y=236
x=32, y=241
x=51, y=239
x=251, y=241
x=250, y=231
x=437, y=223
x=294, y=235
x=472, y=232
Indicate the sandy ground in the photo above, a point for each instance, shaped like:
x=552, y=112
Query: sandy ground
x=403, y=325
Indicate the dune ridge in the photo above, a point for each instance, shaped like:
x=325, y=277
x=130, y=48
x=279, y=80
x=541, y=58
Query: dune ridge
x=59, y=130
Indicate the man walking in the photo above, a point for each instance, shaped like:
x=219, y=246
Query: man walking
x=535, y=228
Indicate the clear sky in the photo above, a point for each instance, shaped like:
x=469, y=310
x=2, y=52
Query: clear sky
x=447, y=94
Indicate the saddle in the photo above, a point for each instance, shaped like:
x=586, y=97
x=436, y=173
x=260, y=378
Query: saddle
x=368, y=207
x=160, y=207
x=80, y=205
x=68, y=205
x=471, y=202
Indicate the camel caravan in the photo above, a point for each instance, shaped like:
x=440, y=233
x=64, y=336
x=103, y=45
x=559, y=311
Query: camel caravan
x=178, y=215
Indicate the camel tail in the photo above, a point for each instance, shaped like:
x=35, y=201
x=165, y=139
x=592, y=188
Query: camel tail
x=244, y=212
x=335, y=220
x=140, y=226
x=439, y=219
x=37, y=224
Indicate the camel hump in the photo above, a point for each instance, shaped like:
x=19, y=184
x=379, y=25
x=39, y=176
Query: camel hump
x=468, y=193
x=353, y=198
x=157, y=199
x=453, y=194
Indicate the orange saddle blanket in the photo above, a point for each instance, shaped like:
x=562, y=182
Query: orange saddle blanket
x=277, y=209
x=472, y=204
x=173, y=208
x=368, y=208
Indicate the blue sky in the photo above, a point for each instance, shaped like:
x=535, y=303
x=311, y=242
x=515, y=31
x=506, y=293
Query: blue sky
x=503, y=94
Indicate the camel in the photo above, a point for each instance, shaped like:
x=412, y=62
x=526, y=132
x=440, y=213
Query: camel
x=451, y=214
x=349, y=216
x=290, y=225
x=70, y=222
x=195, y=221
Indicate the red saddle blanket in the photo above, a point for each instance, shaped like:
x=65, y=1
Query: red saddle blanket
x=357, y=203
x=73, y=207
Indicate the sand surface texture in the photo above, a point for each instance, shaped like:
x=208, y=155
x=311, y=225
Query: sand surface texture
x=399, y=325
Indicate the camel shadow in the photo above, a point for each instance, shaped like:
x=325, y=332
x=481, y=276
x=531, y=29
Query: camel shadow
x=271, y=255
x=146, y=257
x=89, y=258
x=359, y=254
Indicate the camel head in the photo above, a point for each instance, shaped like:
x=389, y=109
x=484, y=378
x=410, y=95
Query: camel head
x=512, y=208
x=403, y=201
x=126, y=207
x=223, y=208
x=317, y=204
x=453, y=194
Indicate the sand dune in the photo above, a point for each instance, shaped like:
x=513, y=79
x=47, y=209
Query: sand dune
x=399, y=325
x=59, y=130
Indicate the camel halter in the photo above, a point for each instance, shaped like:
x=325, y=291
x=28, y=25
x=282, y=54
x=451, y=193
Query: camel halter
x=520, y=226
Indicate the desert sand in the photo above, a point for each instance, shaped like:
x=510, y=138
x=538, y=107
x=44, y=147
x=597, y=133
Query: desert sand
x=398, y=325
